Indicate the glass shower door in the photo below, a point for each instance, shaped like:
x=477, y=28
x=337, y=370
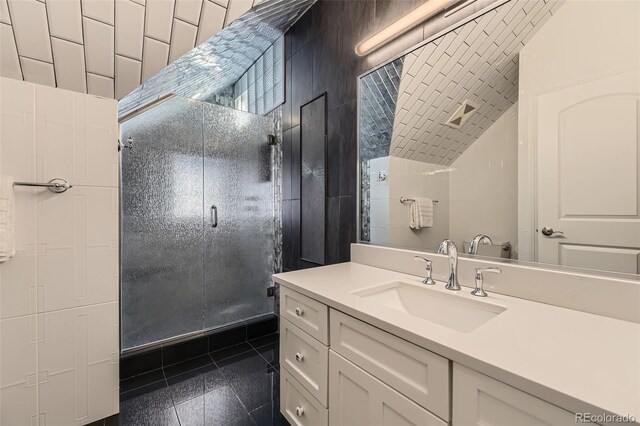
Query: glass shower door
x=161, y=224
x=239, y=208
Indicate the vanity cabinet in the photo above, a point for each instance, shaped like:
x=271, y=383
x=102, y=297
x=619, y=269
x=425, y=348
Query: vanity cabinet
x=357, y=398
x=338, y=370
x=481, y=400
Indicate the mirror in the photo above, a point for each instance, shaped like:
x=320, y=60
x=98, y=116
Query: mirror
x=520, y=124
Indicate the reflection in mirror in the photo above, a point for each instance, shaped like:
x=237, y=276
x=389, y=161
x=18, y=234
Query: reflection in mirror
x=514, y=134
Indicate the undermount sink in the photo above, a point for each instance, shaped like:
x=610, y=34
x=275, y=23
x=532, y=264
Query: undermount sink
x=450, y=310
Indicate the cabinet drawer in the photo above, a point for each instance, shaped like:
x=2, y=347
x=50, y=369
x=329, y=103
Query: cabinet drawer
x=305, y=358
x=308, y=314
x=298, y=406
x=413, y=371
x=358, y=398
x=481, y=400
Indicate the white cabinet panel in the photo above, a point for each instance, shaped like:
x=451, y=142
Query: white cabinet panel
x=357, y=398
x=305, y=358
x=298, y=405
x=306, y=313
x=481, y=400
x=413, y=371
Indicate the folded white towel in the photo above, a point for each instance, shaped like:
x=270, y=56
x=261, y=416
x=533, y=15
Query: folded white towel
x=421, y=213
x=7, y=219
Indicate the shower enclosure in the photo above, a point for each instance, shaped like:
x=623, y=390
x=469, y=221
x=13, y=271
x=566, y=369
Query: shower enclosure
x=199, y=220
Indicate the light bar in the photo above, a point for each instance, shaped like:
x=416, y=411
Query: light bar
x=404, y=24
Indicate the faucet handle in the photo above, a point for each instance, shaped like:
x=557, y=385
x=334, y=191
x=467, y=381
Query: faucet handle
x=429, y=268
x=491, y=269
x=479, y=291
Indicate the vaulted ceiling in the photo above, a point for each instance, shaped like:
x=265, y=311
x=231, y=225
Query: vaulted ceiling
x=477, y=62
x=105, y=47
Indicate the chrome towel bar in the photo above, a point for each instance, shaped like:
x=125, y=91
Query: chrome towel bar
x=405, y=200
x=54, y=185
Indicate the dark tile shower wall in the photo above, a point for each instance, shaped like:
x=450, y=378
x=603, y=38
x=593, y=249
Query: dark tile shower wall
x=146, y=363
x=320, y=58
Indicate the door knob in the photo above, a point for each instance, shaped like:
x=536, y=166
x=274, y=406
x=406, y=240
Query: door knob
x=548, y=232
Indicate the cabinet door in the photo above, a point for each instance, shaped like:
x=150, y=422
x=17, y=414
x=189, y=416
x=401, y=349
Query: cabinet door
x=481, y=400
x=357, y=398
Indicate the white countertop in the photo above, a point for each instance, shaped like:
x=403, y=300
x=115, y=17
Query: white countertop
x=578, y=361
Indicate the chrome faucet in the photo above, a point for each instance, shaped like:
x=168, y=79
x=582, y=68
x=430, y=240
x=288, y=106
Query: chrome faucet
x=448, y=247
x=428, y=280
x=479, y=290
x=477, y=240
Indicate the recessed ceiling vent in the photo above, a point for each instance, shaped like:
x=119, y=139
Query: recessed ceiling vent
x=462, y=114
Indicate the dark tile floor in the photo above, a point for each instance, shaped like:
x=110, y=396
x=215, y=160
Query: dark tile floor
x=239, y=385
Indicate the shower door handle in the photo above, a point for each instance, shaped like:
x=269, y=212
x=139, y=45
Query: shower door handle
x=214, y=216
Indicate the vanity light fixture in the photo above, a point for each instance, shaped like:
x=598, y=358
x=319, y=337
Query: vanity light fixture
x=404, y=24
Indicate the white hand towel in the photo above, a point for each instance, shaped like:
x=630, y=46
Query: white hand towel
x=7, y=219
x=421, y=213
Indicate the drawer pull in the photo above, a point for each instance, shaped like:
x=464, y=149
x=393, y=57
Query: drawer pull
x=299, y=357
x=299, y=311
x=299, y=411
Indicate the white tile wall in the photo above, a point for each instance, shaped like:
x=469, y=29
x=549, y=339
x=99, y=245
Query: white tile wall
x=69, y=65
x=101, y=10
x=29, y=20
x=38, y=71
x=9, y=62
x=59, y=294
x=390, y=218
x=237, y=8
x=476, y=62
x=128, y=74
x=212, y=20
x=183, y=39
x=159, y=20
x=65, y=19
x=129, y=29
x=102, y=29
x=100, y=86
x=4, y=12
x=156, y=57
x=483, y=188
x=188, y=10
x=98, y=47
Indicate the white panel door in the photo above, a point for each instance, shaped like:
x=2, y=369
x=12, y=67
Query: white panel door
x=588, y=178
